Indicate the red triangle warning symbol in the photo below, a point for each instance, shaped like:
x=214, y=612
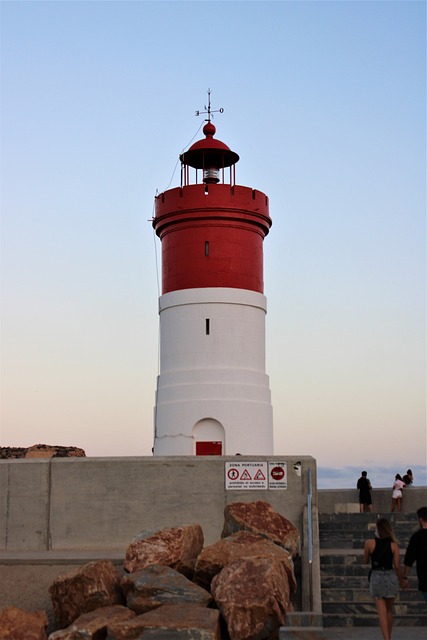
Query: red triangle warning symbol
x=259, y=475
x=245, y=475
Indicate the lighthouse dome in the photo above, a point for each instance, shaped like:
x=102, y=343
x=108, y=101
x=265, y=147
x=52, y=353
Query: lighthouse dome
x=209, y=152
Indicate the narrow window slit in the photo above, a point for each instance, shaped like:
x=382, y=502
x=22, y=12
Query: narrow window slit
x=206, y=248
x=207, y=326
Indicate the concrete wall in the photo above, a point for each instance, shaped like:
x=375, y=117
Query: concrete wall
x=102, y=503
x=347, y=500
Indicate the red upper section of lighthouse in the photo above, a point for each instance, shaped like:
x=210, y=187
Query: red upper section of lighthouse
x=212, y=234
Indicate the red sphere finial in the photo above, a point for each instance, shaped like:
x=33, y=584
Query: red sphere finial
x=209, y=129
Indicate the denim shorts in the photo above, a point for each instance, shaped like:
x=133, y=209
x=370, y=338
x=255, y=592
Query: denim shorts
x=384, y=584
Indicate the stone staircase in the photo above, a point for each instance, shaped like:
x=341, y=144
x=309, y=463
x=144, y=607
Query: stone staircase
x=345, y=589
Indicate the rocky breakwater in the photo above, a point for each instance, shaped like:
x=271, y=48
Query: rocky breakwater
x=41, y=451
x=171, y=587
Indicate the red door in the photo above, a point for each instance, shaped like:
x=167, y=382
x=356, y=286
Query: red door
x=209, y=448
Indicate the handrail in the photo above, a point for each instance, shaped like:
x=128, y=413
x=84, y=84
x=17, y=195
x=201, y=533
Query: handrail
x=310, y=538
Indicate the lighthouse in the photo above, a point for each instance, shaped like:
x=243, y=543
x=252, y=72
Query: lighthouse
x=213, y=395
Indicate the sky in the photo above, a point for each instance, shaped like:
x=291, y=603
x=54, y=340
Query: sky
x=325, y=103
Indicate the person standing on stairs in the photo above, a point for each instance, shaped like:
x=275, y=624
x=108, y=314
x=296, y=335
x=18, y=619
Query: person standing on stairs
x=365, y=488
x=417, y=552
x=385, y=575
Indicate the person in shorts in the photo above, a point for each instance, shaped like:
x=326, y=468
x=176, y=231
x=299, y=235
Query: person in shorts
x=396, y=496
x=386, y=575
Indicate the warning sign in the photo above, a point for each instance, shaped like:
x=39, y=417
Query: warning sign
x=277, y=475
x=256, y=475
x=246, y=475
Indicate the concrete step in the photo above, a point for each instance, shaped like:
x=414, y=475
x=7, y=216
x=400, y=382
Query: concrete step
x=343, y=582
x=371, y=620
x=344, y=539
x=368, y=607
x=353, y=582
x=361, y=595
x=350, y=633
x=345, y=556
x=349, y=570
x=353, y=540
x=368, y=517
x=366, y=525
x=337, y=542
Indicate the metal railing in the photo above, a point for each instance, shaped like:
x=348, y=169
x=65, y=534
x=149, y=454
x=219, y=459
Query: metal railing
x=310, y=537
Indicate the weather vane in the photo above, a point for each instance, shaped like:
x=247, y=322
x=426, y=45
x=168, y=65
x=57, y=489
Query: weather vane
x=209, y=111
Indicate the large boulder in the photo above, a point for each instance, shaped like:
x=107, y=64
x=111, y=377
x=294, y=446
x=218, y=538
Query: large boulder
x=88, y=587
x=93, y=625
x=170, y=622
x=176, y=547
x=157, y=585
x=17, y=624
x=253, y=596
x=260, y=517
x=242, y=544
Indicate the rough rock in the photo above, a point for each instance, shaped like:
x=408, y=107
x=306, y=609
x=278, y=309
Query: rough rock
x=54, y=451
x=88, y=587
x=260, y=517
x=17, y=624
x=241, y=545
x=9, y=453
x=170, y=622
x=93, y=625
x=176, y=547
x=253, y=597
x=157, y=585
x=41, y=451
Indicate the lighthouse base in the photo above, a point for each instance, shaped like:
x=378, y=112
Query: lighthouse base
x=237, y=416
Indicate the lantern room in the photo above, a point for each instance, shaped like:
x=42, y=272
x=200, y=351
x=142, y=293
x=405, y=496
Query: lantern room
x=210, y=156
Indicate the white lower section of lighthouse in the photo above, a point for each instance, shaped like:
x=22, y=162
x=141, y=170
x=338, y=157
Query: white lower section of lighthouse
x=212, y=389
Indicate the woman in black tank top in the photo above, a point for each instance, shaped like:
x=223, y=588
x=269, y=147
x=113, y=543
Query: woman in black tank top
x=385, y=575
